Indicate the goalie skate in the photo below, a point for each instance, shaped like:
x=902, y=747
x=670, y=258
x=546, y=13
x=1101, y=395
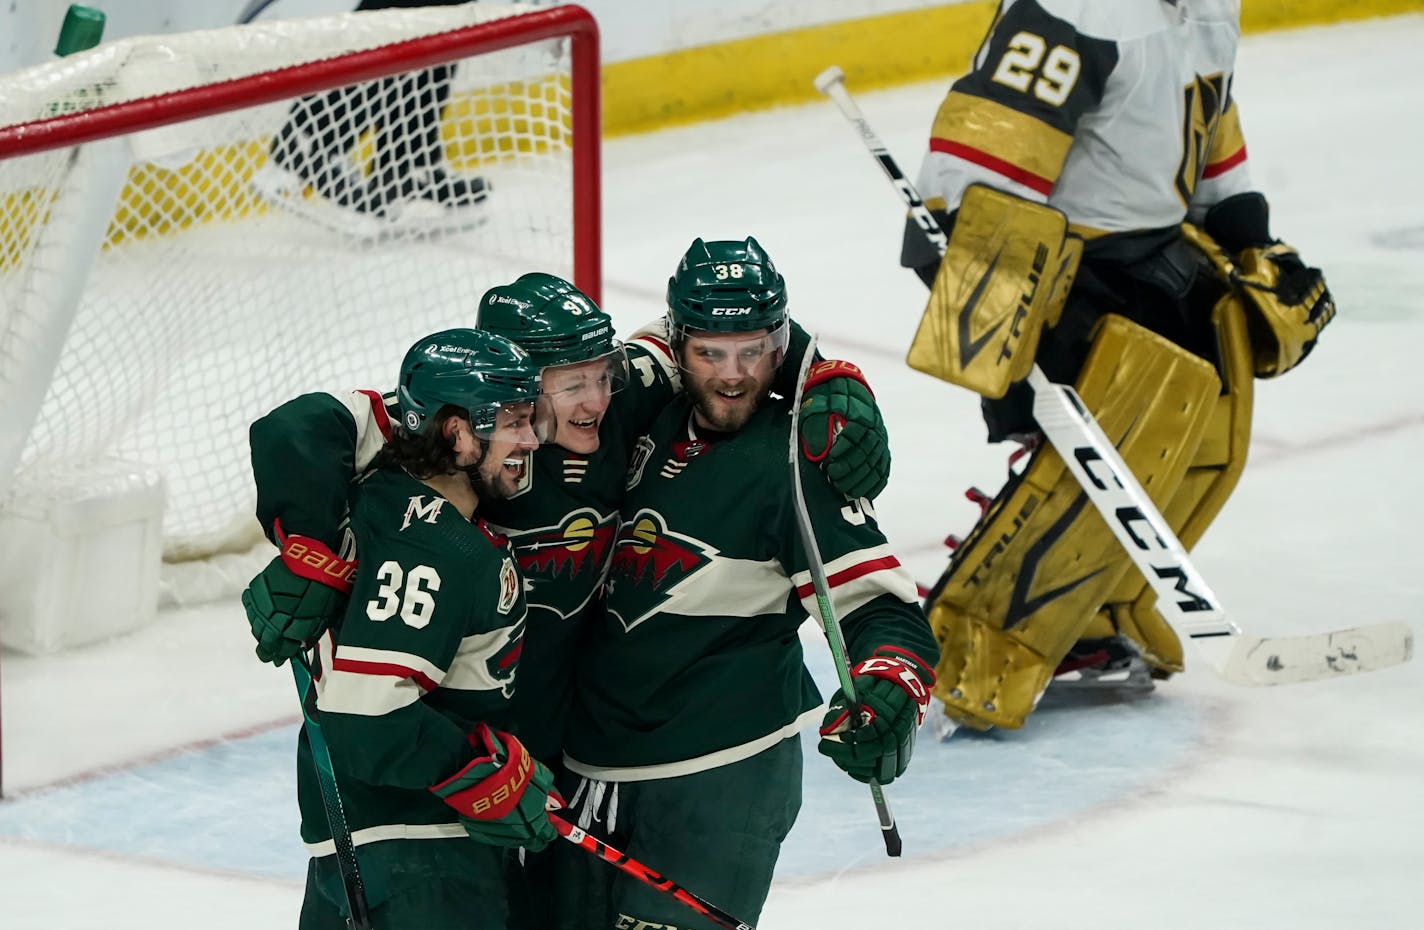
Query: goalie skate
x=1109, y=663
x=422, y=214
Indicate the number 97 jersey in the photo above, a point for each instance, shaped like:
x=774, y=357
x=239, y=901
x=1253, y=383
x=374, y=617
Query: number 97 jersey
x=1117, y=112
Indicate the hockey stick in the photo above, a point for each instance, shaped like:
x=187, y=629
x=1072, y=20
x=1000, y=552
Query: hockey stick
x=252, y=11
x=360, y=918
x=1186, y=600
x=829, y=624
x=630, y=866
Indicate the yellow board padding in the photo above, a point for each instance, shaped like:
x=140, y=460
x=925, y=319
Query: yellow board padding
x=712, y=81
x=727, y=78
x=1031, y=577
x=696, y=84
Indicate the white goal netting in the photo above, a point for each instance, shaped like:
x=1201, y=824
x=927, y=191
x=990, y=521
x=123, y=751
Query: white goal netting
x=161, y=289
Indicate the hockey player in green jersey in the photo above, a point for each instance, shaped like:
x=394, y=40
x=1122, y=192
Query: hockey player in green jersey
x=1108, y=131
x=414, y=682
x=601, y=395
x=693, y=690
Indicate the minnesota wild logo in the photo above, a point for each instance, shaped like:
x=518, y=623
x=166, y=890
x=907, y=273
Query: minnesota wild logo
x=563, y=565
x=503, y=659
x=649, y=563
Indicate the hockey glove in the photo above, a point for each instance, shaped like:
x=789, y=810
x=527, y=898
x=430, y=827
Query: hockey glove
x=1287, y=301
x=1291, y=303
x=503, y=797
x=296, y=597
x=842, y=430
x=893, y=687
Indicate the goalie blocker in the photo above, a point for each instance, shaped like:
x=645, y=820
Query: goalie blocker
x=1005, y=275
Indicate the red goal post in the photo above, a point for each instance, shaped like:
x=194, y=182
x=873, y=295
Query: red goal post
x=157, y=292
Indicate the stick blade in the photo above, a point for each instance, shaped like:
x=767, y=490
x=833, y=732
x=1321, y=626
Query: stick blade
x=1294, y=659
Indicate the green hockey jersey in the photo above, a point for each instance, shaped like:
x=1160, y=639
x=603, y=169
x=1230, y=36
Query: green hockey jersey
x=698, y=661
x=428, y=646
x=561, y=524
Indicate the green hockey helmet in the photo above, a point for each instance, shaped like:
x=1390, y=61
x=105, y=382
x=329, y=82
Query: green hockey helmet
x=727, y=286
x=555, y=322
x=477, y=371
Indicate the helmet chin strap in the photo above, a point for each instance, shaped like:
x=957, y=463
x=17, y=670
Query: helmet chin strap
x=473, y=471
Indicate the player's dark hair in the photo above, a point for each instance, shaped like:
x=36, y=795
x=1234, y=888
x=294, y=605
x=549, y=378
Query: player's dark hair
x=426, y=454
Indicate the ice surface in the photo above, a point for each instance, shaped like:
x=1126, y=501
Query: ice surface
x=1201, y=806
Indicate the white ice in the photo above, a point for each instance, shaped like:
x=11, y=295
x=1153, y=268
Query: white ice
x=1201, y=806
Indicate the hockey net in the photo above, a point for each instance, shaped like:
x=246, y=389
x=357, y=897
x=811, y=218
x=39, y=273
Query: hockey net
x=261, y=211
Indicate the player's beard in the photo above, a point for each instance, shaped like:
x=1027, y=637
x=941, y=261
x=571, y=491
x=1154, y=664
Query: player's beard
x=715, y=413
x=498, y=485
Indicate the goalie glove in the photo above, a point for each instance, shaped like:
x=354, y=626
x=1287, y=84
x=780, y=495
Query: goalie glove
x=1287, y=302
x=843, y=431
x=503, y=796
x=1289, y=305
x=893, y=687
x=296, y=597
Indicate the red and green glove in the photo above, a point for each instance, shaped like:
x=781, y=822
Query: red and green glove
x=842, y=429
x=296, y=597
x=503, y=797
x=893, y=687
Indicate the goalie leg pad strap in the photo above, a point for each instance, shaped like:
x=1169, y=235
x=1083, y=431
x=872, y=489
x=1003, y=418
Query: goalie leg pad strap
x=1004, y=276
x=1041, y=562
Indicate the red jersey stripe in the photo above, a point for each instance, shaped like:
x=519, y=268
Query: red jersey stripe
x=358, y=667
x=1226, y=164
x=997, y=165
x=855, y=571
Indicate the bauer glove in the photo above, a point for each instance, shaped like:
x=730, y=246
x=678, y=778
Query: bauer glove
x=842, y=430
x=503, y=797
x=893, y=687
x=296, y=597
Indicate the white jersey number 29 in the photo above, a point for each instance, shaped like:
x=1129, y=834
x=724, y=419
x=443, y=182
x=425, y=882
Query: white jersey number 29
x=415, y=604
x=1022, y=60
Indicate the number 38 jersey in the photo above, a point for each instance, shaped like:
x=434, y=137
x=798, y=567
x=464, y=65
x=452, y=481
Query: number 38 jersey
x=698, y=663
x=1117, y=112
x=428, y=646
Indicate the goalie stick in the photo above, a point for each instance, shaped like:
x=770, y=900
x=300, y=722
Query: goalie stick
x=1184, y=597
x=829, y=624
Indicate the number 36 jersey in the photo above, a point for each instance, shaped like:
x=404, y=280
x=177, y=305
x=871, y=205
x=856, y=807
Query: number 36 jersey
x=429, y=645
x=1117, y=112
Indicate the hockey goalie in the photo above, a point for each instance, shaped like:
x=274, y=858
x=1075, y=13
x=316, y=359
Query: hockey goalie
x=1092, y=174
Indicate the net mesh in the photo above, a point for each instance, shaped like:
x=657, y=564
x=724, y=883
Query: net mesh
x=248, y=257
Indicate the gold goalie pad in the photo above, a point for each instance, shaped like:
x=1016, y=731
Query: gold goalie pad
x=1281, y=332
x=1005, y=275
x=1214, y=471
x=1033, y=574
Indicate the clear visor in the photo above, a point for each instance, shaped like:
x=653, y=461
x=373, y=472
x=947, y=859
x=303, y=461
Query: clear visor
x=590, y=382
x=522, y=425
x=731, y=355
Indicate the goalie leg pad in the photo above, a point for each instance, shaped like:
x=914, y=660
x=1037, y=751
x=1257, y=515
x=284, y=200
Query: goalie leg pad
x=1041, y=562
x=1210, y=479
x=1004, y=276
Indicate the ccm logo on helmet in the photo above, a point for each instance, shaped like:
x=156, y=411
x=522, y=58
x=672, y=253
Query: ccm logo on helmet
x=731, y=311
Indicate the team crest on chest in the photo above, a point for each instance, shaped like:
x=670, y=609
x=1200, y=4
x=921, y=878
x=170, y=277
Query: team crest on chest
x=566, y=562
x=649, y=563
